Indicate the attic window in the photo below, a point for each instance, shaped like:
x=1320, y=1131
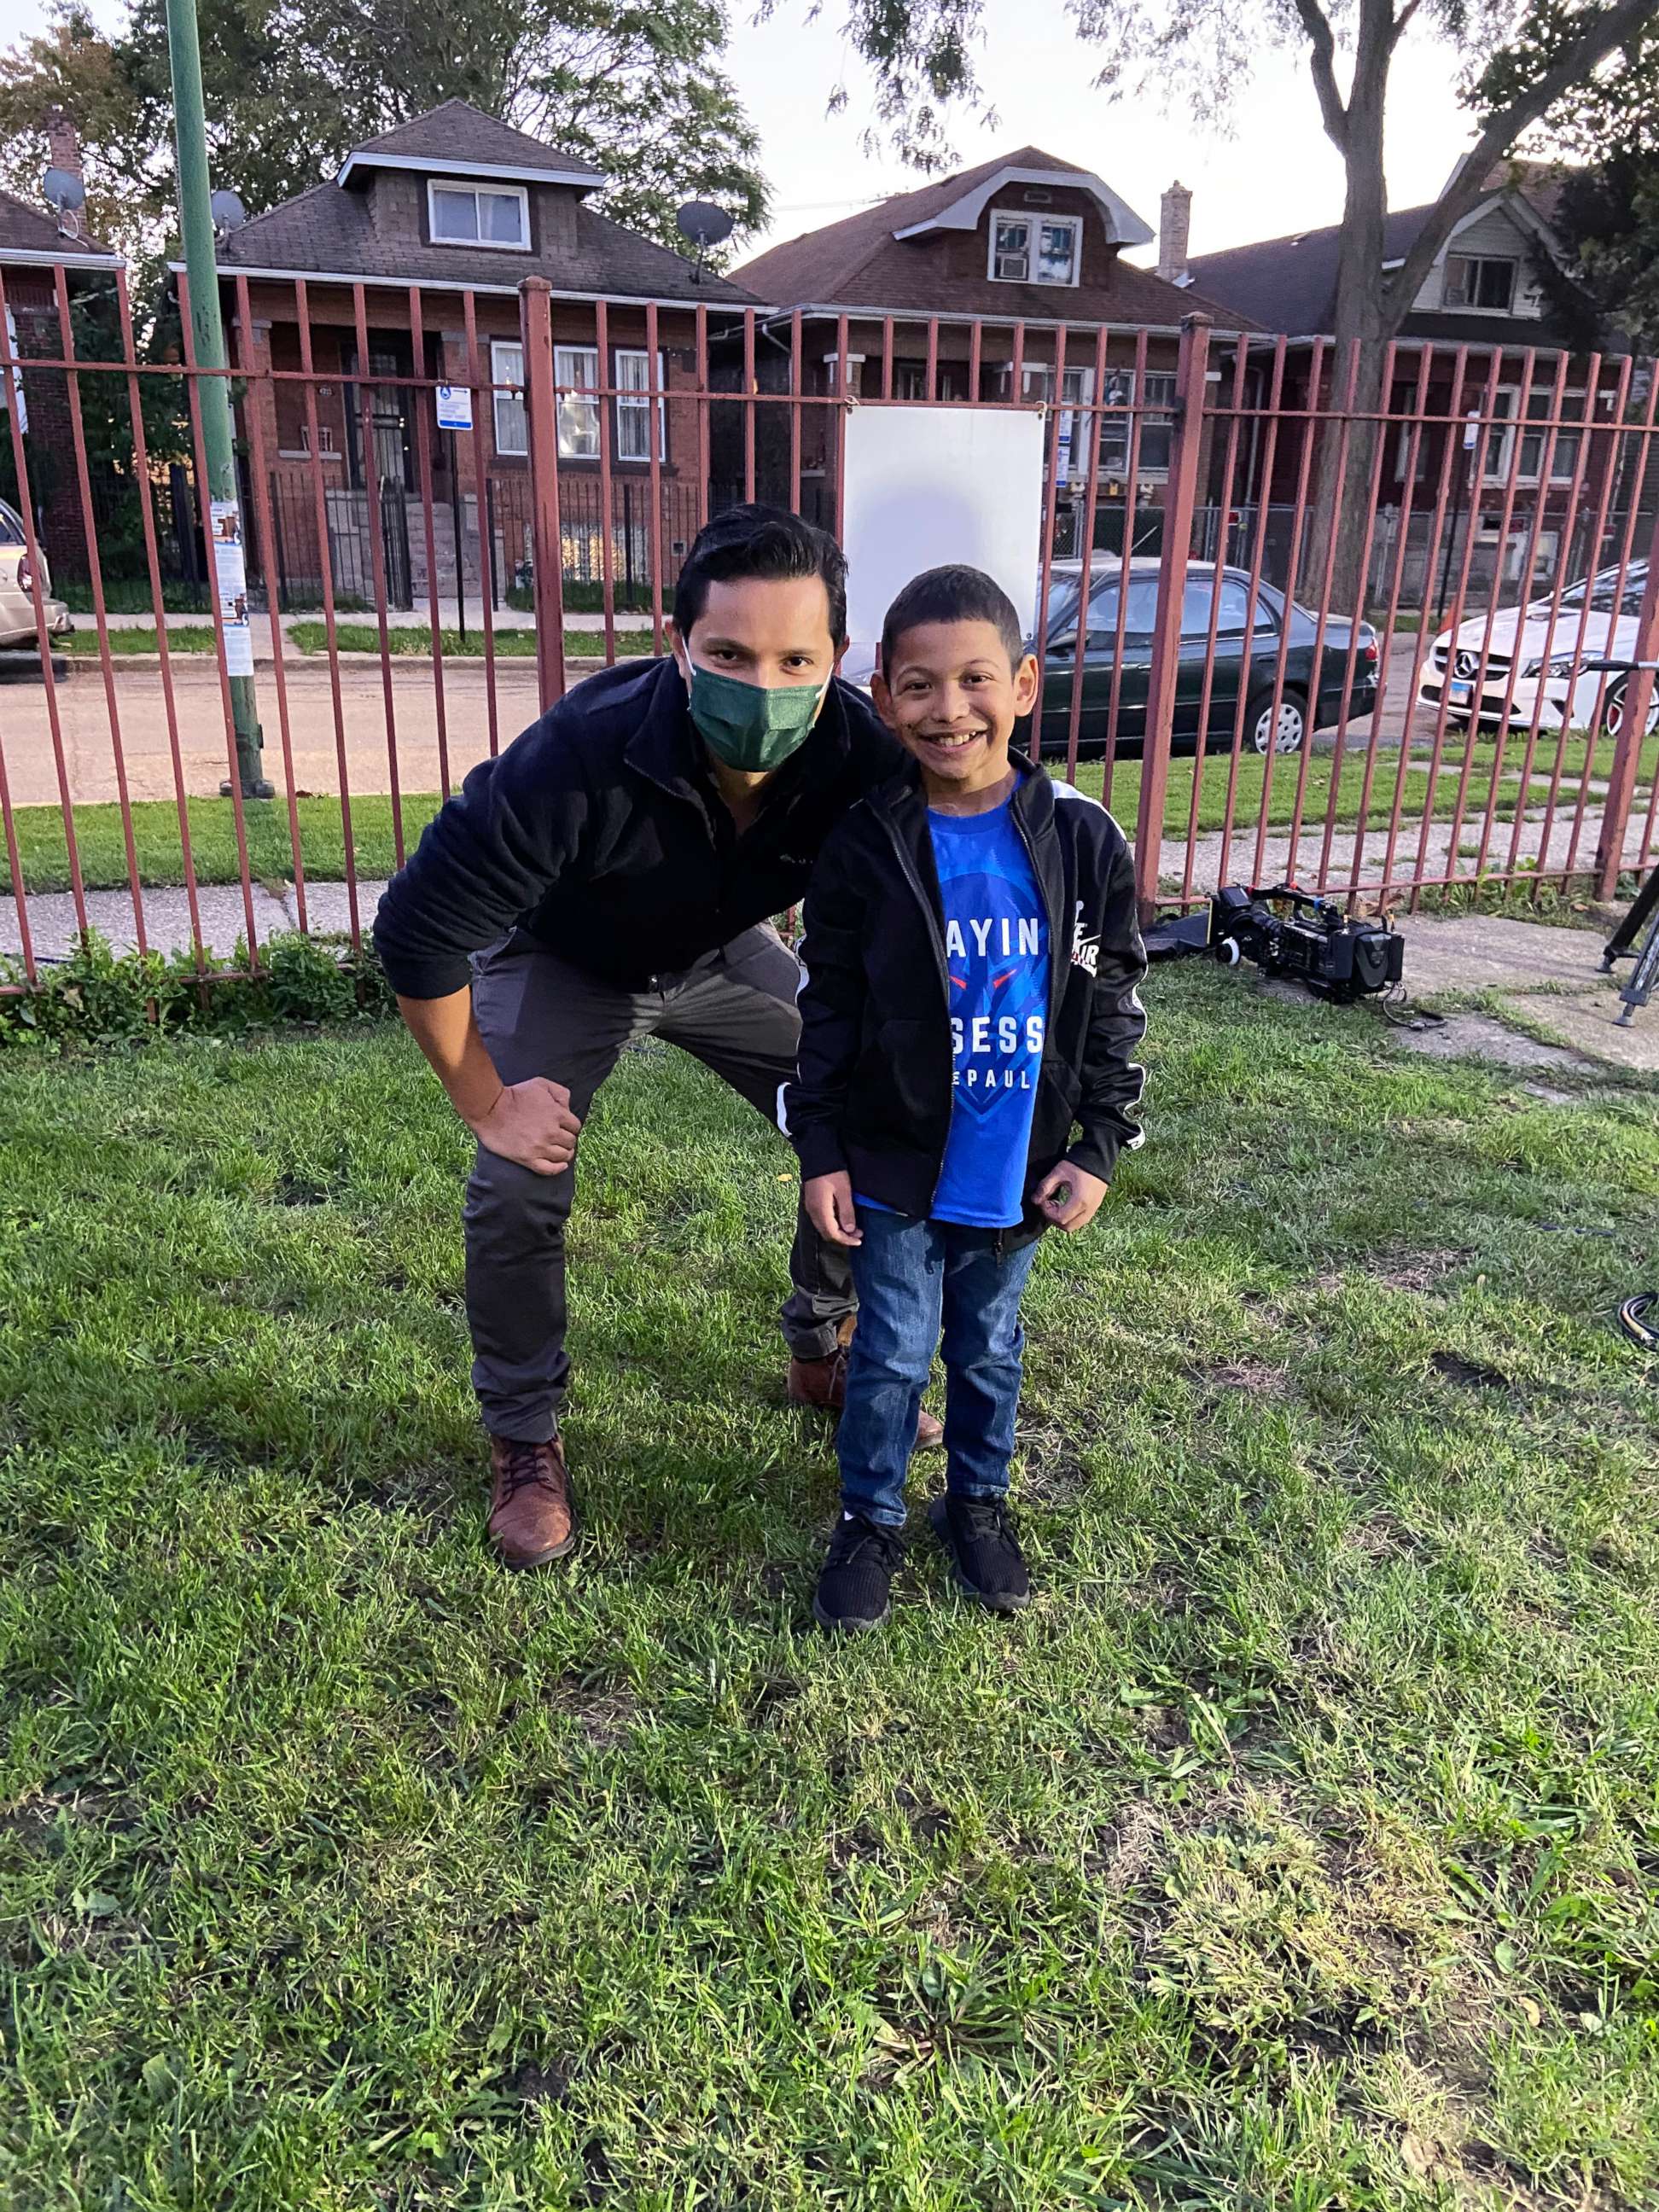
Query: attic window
x=1038, y=197
x=1034, y=249
x=1485, y=281
x=496, y=216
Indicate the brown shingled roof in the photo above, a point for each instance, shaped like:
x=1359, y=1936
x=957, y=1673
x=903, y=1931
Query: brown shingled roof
x=27, y=229
x=858, y=264
x=455, y=130
x=331, y=231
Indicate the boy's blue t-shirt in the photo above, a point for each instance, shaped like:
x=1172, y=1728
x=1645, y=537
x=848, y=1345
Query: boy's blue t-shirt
x=996, y=947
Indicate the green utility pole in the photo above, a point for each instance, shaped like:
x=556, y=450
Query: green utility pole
x=223, y=517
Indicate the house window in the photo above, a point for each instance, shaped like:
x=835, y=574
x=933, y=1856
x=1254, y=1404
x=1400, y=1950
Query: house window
x=1528, y=464
x=496, y=216
x=1035, y=249
x=910, y=381
x=576, y=373
x=506, y=368
x=1076, y=389
x=633, y=408
x=1484, y=282
x=1157, y=423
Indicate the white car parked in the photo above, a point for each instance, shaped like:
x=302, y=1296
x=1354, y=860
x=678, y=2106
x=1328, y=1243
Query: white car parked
x=17, y=592
x=1552, y=656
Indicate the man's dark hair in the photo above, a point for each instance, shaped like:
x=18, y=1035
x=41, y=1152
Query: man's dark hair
x=954, y=593
x=760, y=541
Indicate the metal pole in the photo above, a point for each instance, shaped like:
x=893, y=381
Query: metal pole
x=455, y=523
x=224, y=515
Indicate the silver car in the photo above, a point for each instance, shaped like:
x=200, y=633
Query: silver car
x=16, y=589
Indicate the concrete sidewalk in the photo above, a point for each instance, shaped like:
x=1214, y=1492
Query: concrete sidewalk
x=1544, y=976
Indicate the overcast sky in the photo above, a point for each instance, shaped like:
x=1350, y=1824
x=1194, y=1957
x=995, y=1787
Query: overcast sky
x=1275, y=172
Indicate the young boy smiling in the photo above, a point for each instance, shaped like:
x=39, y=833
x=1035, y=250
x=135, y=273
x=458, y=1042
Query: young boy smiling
x=965, y=1079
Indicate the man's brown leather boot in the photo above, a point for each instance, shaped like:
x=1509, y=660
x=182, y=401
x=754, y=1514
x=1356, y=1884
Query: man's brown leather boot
x=822, y=1384
x=530, y=1520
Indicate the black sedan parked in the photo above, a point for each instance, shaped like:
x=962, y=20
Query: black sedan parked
x=1302, y=705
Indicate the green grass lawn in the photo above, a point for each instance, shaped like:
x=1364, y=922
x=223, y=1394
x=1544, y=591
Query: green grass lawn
x=213, y=837
x=1297, y=1849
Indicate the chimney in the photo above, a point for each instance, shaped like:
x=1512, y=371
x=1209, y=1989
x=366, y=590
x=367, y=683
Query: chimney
x=63, y=142
x=1175, y=224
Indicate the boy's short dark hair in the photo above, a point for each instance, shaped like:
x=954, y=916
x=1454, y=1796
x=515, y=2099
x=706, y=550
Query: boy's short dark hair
x=953, y=594
x=760, y=541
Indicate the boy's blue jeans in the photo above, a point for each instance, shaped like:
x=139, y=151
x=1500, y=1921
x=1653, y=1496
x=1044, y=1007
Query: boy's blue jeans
x=915, y=1278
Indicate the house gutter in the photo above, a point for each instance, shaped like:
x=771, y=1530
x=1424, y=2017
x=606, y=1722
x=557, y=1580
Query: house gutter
x=24, y=257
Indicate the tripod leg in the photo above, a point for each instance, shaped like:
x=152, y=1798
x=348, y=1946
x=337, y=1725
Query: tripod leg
x=1623, y=937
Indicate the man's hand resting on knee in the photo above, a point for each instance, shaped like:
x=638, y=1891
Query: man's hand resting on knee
x=530, y=1122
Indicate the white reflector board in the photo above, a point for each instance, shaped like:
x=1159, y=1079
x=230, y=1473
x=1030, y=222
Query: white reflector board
x=927, y=485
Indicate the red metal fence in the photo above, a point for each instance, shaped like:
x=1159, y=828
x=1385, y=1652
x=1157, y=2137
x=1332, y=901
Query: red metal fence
x=1383, y=640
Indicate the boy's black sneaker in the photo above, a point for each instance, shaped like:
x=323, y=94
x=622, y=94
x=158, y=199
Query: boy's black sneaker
x=979, y=1535
x=852, y=1591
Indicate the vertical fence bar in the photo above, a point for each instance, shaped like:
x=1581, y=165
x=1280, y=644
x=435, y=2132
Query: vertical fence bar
x=423, y=402
x=242, y=332
x=1094, y=420
x=887, y=357
x=1627, y=746
x=1050, y=514
x=1563, y=569
x=1475, y=463
x=607, y=535
x=1512, y=483
x=541, y=400
x=331, y=620
x=1598, y=708
x=843, y=402
x=99, y=612
x=199, y=446
x=1506, y=707
x=795, y=368
x=976, y=339
x=653, y=448
x=1224, y=537
x=371, y=452
x=749, y=403
x=704, y=403
x=1017, y=367
x=483, y=392
x=1321, y=620
x=37, y=569
x=1186, y=440
x=1281, y=660
x=1269, y=450
x=1126, y=561
x=931, y=387
x=1453, y=428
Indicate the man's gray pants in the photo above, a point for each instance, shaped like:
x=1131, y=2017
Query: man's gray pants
x=539, y=1015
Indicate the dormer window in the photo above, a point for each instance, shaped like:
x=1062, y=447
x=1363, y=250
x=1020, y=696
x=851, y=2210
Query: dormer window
x=1028, y=249
x=1485, y=281
x=496, y=216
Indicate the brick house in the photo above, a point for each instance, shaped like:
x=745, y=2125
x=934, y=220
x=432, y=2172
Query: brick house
x=1031, y=248
x=1483, y=292
x=452, y=203
x=35, y=244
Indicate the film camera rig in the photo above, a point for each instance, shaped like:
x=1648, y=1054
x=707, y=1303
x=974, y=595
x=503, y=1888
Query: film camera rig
x=1285, y=931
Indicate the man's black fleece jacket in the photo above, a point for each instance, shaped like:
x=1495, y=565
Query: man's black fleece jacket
x=599, y=834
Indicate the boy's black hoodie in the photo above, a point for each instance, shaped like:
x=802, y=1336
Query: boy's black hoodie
x=873, y=1093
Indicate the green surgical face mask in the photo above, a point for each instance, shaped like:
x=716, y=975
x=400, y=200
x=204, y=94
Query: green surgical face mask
x=752, y=727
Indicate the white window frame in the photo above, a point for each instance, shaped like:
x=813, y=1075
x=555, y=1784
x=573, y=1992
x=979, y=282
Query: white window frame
x=1118, y=430
x=1500, y=438
x=506, y=366
x=576, y=377
x=1469, y=307
x=633, y=400
x=1077, y=390
x=436, y=185
x=1034, y=219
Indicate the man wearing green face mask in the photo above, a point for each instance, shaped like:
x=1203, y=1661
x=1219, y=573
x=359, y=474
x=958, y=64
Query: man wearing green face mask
x=610, y=876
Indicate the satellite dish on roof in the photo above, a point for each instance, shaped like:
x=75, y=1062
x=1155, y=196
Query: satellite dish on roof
x=704, y=225
x=63, y=190
x=229, y=212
